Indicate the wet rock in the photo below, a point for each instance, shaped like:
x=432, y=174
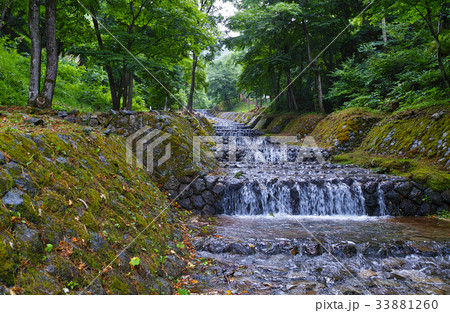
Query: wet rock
x=393, y=197
x=312, y=249
x=241, y=248
x=35, y=121
x=198, y=202
x=438, y=115
x=418, y=277
x=185, y=191
x=21, y=178
x=371, y=201
x=174, y=266
x=208, y=210
x=390, y=264
x=210, y=181
x=404, y=188
x=425, y=250
x=218, y=246
x=127, y=112
x=347, y=249
x=186, y=179
x=304, y=288
x=164, y=286
x=434, y=196
x=96, y=288
x=367, y=273
x=98, y=243
x=218, y=188
x=2, y=158
x=399, y=249
x=416, y=195
x=408, y=208
x=13, y=198
x=374, y=250
x=93, y=122
x=445, y=195
x=199, y=185
x=208, y=196
x=370, y=187
x=171, y=184
x=30, y=242
x=425, y=208
x=346, y=290
x=418, y=186
x=185, y=203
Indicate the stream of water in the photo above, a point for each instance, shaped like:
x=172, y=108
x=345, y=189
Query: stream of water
x=303, y=228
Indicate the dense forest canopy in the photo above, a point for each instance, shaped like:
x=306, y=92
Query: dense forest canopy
x=297, y=55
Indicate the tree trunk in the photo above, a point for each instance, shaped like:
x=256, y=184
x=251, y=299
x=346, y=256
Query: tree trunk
x=190, y=104
x=383, y=30
x=435, y=34
x=130, y=92
x=291, y=95
x=109, y=72
x=440, y=63
x=166, y=104
x=319, y=91
x=316, y=71
x=4, y=10
x=35, y=63
x=52, y=54
x=125, y=90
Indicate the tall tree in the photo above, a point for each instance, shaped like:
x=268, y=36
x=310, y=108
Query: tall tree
x=206, y=7
x=35, y=55
x=431, y=12
x=51, y=70
x=42, y=99
x=4, y=9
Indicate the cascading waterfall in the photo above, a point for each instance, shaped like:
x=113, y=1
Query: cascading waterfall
x=298, y=198
x=288, y=181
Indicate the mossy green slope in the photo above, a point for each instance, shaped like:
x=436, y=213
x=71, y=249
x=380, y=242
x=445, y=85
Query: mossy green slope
x=345, y=130
x=302, y=125
x=421, y=133
x=74, y=192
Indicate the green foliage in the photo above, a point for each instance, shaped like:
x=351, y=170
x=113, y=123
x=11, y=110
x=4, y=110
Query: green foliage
x=390, y=78
x=444, y=214
x=14, y=79
x=183, y=292
x=49, y=247
x=135, y=261
x=72, y=284
x=222, y=79
x=77, y=87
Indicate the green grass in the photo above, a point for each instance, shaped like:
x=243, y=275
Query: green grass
x=242, y=107
x=422, y=171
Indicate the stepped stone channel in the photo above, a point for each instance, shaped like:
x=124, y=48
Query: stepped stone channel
x=262, y=175
x=286, y=221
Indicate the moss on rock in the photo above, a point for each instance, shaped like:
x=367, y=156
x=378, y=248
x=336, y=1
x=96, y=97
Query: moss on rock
x=76, y=191
x=302, y=125
x=419, y=133
x=345, y=130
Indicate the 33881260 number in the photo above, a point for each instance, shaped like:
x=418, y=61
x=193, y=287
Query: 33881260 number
x=407, y=304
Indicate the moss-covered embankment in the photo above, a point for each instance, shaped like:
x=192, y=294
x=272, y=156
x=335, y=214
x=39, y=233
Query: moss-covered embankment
x=70, y=203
